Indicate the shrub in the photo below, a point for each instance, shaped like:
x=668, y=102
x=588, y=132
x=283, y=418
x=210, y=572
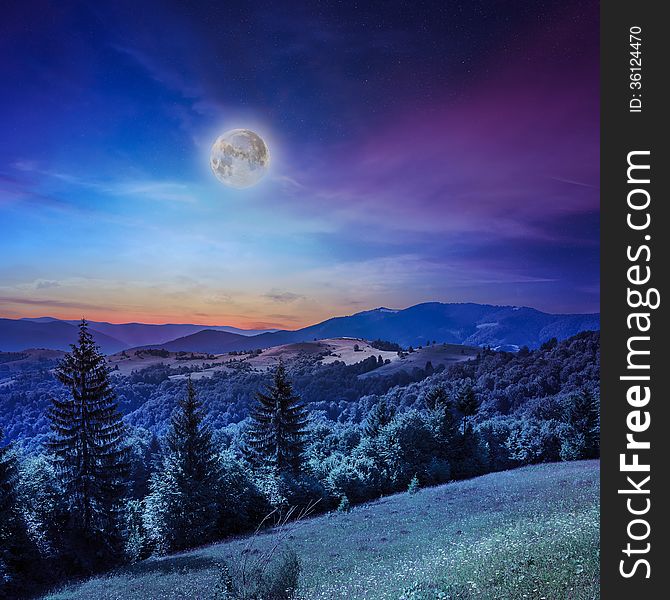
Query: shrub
x=344, y=505
x=438, y=471
x=270, y=571
x=271, y=579
x=345, y=480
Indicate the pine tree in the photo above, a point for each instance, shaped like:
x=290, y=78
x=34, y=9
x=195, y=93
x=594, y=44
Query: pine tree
x=182, y=509
x=145, y=459
x=17, y=553
x=8, y=479
x=152, y=458
x=436, y=398
x=277, y=434
x=447, y=433
x=378, y=418
x=414, y=485
x=583, y=416
x=89, y=453
x=467, y=404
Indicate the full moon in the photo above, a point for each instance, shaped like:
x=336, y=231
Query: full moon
x=239, y=158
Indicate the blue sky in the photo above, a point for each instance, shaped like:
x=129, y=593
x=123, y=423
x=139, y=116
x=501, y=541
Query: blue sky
x=439, y=151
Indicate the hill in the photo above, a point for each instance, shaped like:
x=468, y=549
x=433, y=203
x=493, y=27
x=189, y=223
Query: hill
x=211, y=341
x=500, y=327
x=528, y=533
x=329, y=375
x=470, y=324
x=17, y=335
x=503, y=327
x=142, y=334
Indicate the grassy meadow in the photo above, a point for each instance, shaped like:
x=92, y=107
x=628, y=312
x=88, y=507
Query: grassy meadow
x=528, y=533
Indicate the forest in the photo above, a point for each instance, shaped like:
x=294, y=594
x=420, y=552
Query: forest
x=103, y=470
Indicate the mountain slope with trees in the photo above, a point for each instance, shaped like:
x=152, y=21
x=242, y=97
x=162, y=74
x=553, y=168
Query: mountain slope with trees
x=99, y=492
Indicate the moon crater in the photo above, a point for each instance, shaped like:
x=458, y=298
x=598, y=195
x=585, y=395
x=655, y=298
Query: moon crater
x=239, y=158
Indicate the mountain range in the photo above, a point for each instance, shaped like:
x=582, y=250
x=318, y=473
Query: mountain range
x=507, y=327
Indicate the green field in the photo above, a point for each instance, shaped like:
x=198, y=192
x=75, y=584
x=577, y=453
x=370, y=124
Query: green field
x=529, y=533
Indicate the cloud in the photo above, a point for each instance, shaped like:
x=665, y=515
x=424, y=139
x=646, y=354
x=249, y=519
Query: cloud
x=46, y=302
x=282, y=317
x=283, y=297
x=150, y=189
x=216, y=298
x=45, y=284
x=169, y=191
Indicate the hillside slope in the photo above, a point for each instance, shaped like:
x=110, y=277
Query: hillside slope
x=469, y=324
x=532, y=532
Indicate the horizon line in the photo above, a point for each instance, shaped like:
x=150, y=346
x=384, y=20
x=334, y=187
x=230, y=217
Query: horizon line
x=275, y=326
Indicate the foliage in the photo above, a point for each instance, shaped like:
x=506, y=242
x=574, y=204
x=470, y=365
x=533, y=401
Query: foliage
x=378, y=418
x=413, y=486
x=386, y=345
x=137, y=547
x=344, y=505
x=183, y=504
x=241, y=503
x=582, y=439
x=17, y=553
x=90, y=456
x=278, y=580
x=277, y=433
x=467, y=404
x=436, y=398
x=271, y=572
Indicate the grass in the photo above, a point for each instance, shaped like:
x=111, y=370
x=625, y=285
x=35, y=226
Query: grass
x=529, y=533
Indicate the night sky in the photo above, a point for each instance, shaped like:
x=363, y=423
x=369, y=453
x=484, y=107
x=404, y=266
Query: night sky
x=443, y=151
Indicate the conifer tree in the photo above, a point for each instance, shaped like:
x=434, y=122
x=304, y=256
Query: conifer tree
x=182, y=509
x=467, y=404
x=445, y=424
x=583, y=416
x=277, y=434
x=17, y=553
x=378, y=418
x=436, y=398
x=90, y=453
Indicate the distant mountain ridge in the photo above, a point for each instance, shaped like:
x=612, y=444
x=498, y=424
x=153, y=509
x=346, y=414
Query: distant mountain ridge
x=468, y=323
x=111, y=337
x=17, y=334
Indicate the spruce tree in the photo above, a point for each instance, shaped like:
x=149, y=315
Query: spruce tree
x=378, y=418
x=436, y=398
x=445, y=424
x=182, y=509
x=467, y=404
x=17, y=553
x=90, y=454
x=277, y=434
x=583, y=417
